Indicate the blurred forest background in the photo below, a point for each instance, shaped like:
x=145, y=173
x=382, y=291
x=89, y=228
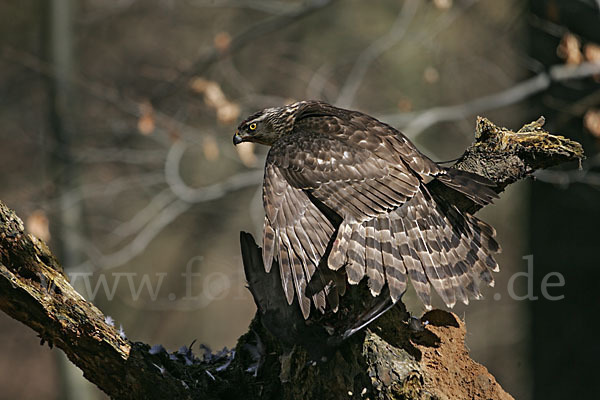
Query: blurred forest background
x=116, y=119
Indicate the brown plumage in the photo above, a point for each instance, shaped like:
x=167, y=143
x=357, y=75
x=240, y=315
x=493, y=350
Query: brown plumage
x=343, y=181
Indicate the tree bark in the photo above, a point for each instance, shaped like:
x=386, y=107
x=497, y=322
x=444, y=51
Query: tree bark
x=62, y=109
x=281, y=356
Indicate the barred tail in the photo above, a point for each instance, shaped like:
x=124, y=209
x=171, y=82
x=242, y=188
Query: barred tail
x=432, y=243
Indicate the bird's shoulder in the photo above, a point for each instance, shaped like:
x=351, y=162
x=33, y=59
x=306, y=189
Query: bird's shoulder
x=309, y=147
x=335, y=142
x=334, y=131
x=351, y=127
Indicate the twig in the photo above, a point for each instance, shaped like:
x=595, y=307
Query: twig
x=117, y=154
x=268, y=6
x=143, y=216
x=116, y=186
x=212, y=55
x=207, y=193
x=419, y=121
x=374, y=50
x=139, y=243
x=172, y=207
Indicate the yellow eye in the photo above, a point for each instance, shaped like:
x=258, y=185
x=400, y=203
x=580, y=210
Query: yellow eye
x=252, y=126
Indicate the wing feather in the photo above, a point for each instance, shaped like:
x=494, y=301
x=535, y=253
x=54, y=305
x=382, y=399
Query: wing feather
x=372, y=177
x=375, y=263
x=355, y=268
x=351, y=179
x=287, y=279
x=300, y=235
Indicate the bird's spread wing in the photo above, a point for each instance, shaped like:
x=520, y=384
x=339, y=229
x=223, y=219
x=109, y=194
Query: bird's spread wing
x=351, y=180
x=373, y=178
x=296, y=233
x=348, y=180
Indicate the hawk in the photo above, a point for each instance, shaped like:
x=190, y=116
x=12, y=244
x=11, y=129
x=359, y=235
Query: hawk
x=345, y=192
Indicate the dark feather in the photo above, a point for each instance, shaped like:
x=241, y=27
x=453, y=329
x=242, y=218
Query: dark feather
x=345, y=192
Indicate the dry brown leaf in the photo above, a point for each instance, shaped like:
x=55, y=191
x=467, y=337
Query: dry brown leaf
x=210, y=147
x=246, y=153
x=228, y=113
x=222, y=41
x=38, y=225
x=213, y=95
x=431, y=75
x=569, y=49
x=198, y=84
x=146, y=123
x=442, y=4
x=592, y=52
x=591, y=121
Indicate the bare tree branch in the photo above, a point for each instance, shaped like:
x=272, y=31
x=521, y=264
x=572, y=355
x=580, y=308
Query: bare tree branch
x=154, y=219
x=416, y=122
x=212, y=192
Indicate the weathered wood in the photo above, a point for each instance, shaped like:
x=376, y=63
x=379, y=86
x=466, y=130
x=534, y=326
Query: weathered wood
x=281, y=356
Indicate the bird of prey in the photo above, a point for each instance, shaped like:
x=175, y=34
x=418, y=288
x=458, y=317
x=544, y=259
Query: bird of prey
x=345, y=192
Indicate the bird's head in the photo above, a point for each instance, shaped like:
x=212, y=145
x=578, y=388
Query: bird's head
x=268, y=125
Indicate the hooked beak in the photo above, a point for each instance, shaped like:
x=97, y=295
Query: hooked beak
x=237, y=138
